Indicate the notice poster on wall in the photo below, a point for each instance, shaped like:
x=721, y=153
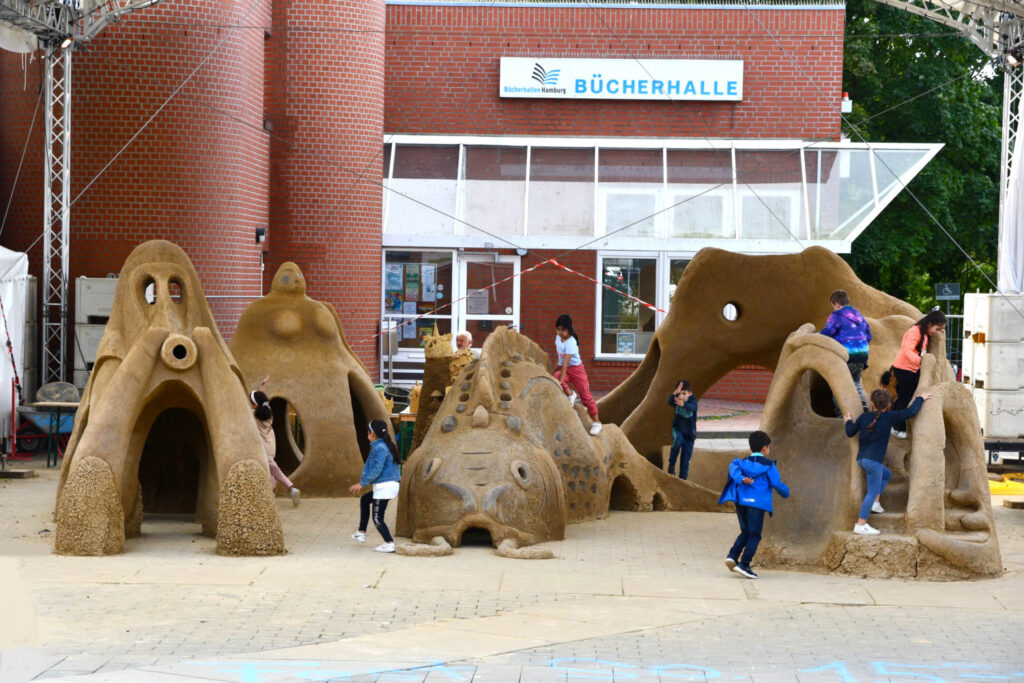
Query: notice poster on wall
x=393, y=276
x=409, y=328
x=425, y=330
x=476, y=302
x=393, y=300
x=412, y=282
x=429, y=273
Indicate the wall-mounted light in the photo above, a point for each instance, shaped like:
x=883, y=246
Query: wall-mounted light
x=261, y=235
x=64, y=44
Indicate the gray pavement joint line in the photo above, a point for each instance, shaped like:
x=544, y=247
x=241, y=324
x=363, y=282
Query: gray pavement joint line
x=176, y=674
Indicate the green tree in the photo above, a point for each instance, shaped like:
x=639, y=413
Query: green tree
x=891, y=57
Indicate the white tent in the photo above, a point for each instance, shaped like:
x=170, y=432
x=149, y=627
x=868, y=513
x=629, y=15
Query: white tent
x=13, y=286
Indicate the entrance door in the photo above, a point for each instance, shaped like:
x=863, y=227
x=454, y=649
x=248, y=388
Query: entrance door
x=490, y=294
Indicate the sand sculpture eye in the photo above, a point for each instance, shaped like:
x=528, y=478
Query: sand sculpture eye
x=433, y=465
x=521, y=473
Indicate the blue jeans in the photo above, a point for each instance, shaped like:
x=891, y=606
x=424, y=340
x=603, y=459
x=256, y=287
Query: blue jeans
x=684, y=446
x=751, y=523
x=878, y=476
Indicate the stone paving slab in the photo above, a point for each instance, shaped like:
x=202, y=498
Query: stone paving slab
x=636, y=596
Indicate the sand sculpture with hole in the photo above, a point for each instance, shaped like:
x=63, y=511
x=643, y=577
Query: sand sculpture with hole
x=938, y=518
x=508, y=455
x=300, y=344
x=938, y=521
x=164, y=425
x=772, y=295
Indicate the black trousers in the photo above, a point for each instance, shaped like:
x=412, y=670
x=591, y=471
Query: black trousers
x=379, y=505
x=906, y=385
x=751, y=523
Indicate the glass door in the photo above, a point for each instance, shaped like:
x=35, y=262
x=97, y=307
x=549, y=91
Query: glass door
x=489, y=293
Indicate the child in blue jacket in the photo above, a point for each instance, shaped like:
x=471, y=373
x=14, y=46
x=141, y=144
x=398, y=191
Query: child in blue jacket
x=750, y=485
x=382, y=471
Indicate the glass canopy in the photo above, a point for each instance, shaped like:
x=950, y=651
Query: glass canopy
x=639, y=194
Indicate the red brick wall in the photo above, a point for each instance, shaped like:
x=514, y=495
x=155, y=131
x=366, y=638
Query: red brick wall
x=549, y=291
x=748, y=383
x=196, y=175
x=442, y=65
x=325, y=95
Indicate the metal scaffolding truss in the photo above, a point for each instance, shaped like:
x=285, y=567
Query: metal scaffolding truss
x=56, y=212
x=994, y=26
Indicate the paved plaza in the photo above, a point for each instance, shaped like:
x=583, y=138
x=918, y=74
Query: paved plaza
x=638, y=596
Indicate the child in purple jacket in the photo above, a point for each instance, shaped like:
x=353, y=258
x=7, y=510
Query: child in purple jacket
x=848, y=327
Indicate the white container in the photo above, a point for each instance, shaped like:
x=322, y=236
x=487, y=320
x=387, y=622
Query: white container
x=994, y=365
x=87, y=343
x=31, y=293
x=94, y=297
x=1001, y=413
x=30, y=346
x=1000, y=318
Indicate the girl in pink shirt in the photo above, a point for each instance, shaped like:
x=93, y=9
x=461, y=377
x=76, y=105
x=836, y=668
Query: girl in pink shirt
x=907, y=366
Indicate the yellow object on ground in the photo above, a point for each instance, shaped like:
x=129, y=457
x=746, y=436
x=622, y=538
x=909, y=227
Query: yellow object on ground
x=1008, y=485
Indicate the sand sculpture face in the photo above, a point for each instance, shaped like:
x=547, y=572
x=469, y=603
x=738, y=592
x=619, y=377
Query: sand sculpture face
x=772, y=296
x=299, y=343
x=164, y=424
x=938, y=521
x=507, y=454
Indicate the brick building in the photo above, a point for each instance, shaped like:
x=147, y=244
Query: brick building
x=200, y=123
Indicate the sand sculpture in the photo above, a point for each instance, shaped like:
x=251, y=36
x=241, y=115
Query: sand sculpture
x=507, y=455
x=772, y=296
x=164, y=424
x=438, y=356
x=299, y=343
x=938, y=521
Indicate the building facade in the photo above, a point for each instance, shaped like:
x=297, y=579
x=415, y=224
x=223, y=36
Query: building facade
x=465, y=164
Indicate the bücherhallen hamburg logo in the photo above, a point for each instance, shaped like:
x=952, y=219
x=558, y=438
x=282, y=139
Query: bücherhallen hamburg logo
x=545, y=77
x=622, y=79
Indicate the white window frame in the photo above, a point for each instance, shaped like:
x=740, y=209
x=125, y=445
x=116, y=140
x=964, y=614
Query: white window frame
x=837, y=241
x=659, y=294
x=462, y=291
x=412, y=355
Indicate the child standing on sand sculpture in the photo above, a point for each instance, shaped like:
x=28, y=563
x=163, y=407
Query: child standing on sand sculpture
x=570, y=369
x=873, y=429
x=847, y=326
x=264, y=416
x=684, y=427
x=907, y=366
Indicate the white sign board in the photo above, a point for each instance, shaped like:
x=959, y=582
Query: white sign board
x=622, y=79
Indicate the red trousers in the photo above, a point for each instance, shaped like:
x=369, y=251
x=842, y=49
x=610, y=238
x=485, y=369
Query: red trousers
x=577, y=376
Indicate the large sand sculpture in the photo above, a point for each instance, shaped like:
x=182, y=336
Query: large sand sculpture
x=299, y=343
x=938, y=520
x=164, y=424
x=506, y=454
x=772, y=295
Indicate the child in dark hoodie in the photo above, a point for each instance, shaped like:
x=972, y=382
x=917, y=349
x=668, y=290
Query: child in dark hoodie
x=684, y=427
x=750, y=485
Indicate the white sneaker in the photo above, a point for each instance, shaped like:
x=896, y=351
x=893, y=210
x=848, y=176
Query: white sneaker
x=865, y=530
x=595, y=428
x=385, y=548
x=359, y=537
x=572, y=398
x=877, y=507
x=898, y=435
x=295, y=497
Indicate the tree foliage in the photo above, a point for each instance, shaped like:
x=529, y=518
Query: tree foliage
x=891, y=58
